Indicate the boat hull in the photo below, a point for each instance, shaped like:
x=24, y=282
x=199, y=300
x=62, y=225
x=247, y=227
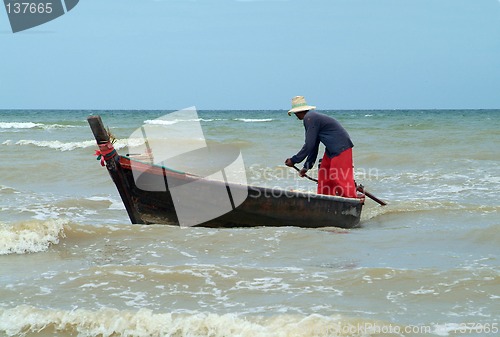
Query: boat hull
x=262, y=207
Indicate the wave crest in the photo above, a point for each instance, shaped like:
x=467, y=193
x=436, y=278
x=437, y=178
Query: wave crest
x=57, y=145
x=30, y=237
x=31, y=125
x=70, y=146
x=26, y=319
x=19, y=125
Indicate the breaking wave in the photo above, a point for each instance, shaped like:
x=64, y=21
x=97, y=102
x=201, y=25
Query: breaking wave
x=57, y=145
x=30, y=321
x=70, y=146
x=19, y=125
x=30, y=236
x=31, y=125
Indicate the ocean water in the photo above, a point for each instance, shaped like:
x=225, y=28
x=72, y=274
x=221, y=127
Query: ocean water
x=71, y=264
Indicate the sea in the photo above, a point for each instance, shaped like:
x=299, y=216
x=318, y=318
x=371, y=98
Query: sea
x=427, y=264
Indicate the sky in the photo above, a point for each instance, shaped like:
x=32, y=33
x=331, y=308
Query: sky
x=256, y=54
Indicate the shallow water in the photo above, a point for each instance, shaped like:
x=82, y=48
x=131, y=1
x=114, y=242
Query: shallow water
x=72, y=265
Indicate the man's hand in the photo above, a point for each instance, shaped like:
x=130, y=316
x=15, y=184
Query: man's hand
x=289, y=162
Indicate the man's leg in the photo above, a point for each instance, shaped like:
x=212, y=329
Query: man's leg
x=342, y=175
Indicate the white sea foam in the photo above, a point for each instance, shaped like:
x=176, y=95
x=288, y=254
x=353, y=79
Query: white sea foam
x=8, y=190
x=69, y=146
x=58, y=126
x=19, y=125
x=31, y=125
x=115, y=203
x=110, y=322
x=57, y=145
x=94, y=285
x=254, y=120
x=31, y=236
x=423, y=291
x=98, y=198
x=168, y=122
x=130, y=142
x=159, y=122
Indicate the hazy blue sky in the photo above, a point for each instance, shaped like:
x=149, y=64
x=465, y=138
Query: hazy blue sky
x=256, y=54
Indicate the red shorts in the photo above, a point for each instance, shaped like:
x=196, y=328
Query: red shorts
x=336, y=175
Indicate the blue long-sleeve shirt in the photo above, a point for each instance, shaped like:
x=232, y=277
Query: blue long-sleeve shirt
x=324, y=129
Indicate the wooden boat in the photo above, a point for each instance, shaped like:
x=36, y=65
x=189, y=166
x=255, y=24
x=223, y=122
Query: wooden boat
x=262, y=207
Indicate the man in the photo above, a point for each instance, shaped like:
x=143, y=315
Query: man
x=336, y=173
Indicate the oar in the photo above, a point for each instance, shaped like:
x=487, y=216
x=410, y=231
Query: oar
x=296, y=168
x=359, y=188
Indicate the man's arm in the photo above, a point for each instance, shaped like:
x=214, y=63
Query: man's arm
x=311, y=158
x=310, y=148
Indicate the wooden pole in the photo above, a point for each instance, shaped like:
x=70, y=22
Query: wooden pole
x=361, y=189
x=97, y=127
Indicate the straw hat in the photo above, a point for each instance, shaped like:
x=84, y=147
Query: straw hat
x=299, y=104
